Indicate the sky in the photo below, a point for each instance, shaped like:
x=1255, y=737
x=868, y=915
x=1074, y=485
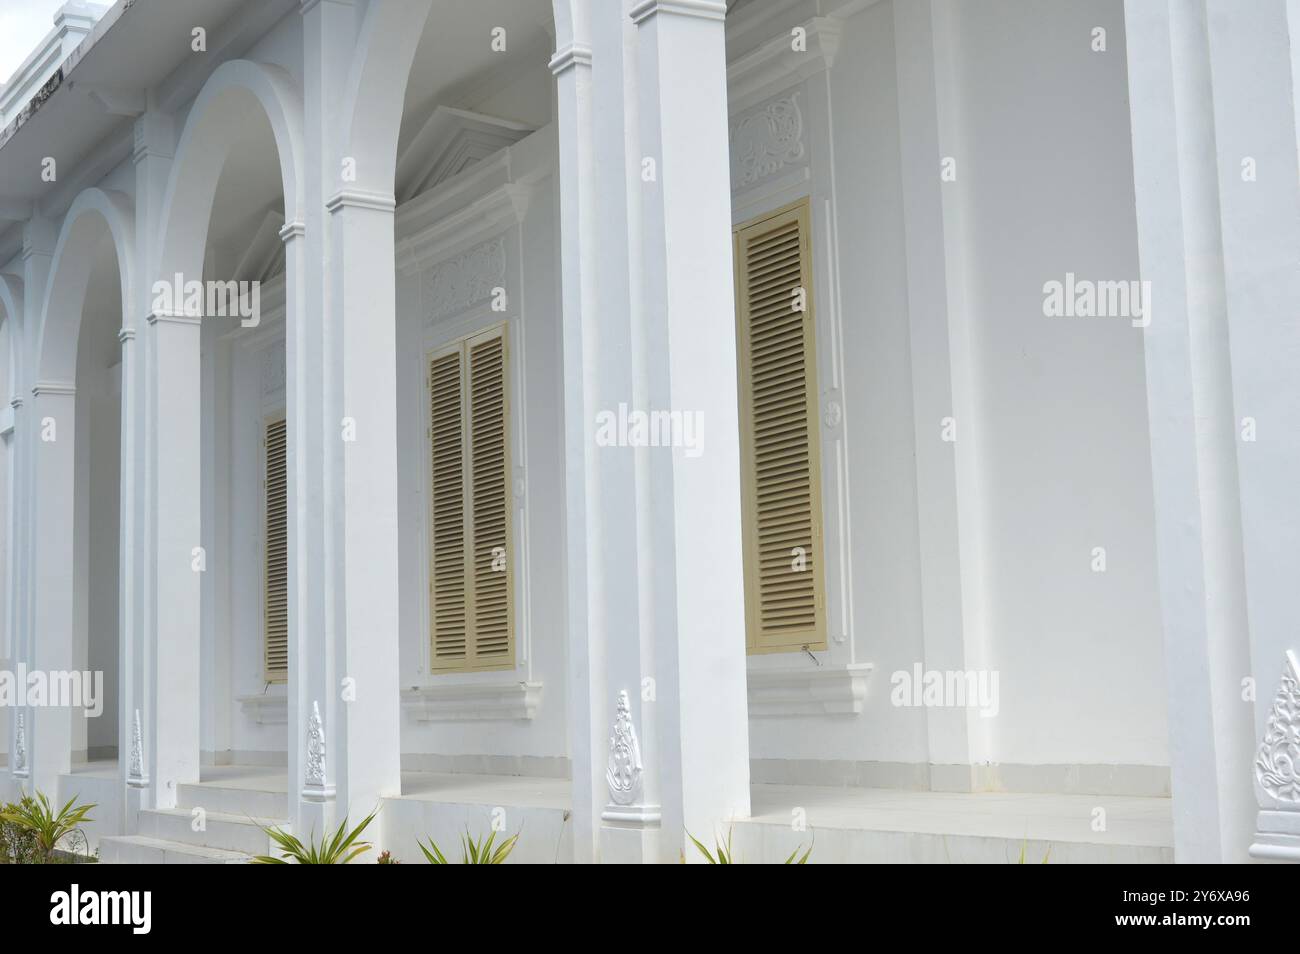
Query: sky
x=23, y=24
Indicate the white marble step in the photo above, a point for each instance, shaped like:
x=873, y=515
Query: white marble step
x=143, y=850
x=233, y=800
x=231, y=832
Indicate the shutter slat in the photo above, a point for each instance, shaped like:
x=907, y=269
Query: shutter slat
x=490, y=514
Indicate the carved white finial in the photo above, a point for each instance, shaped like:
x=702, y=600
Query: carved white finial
x=1277, y=765
x=315, y=786
x=20, y=745
x=623, y=774
x=136, y=773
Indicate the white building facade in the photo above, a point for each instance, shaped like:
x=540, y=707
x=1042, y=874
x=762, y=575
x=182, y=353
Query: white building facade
x=852, y=423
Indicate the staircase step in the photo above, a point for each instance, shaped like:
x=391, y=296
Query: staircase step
x=143, y=850
x=233, y=800
x=223, y=830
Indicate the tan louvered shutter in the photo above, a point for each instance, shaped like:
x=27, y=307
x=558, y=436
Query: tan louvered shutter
x=449, y=598
x=490, y=493
x=275, y=620
x=469, y=437
x=780, y=469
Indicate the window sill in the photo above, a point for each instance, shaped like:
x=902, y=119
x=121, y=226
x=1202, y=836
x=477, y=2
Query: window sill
x=267, y=708
x=490, y=701
x=828, y=690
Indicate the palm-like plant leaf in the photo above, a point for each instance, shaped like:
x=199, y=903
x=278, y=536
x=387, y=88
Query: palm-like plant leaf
x=337, y=849
x=49, y=827
x=472, y=851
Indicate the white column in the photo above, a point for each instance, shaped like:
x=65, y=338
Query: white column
x=1254, y=62
x=942, y=388
x=54, y=447
x=588, y=708
x=361, y=704
x=16, y=509
x=39, y=238
x=154, y=146
x=694, y=586
x=172, y=736
x=1193, y=429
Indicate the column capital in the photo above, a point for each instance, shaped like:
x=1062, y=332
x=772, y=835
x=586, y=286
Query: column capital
x=361, y=199
x=575, y=54
x=295, y=229
x=43, y=388
x=173, y=317
x=125, y=335
x=16, y=402
x=153, y=137
x=307, y=6
x=699, y=9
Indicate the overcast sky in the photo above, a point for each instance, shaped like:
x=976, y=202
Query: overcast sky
x=23, y=23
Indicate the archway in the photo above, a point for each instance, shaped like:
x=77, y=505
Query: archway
x=76, y=468
x=234, y=192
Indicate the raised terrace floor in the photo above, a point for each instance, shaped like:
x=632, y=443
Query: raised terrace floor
x=843, y=824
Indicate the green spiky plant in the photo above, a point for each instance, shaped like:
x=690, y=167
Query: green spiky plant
x=723, y=855
x=338, y=849
x=472, y=852
x=46, y=828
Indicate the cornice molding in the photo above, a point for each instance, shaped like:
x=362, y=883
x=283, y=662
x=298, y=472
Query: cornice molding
x=173, y=317
x=42, y=388
x=502, y=208
x=361, y=199
x=575, y=54
x=697, y=9
x=774, y=65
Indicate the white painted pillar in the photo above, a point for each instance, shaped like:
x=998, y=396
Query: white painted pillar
x=1193, y=433
x=17, y=511
x=173, y=675
x=693, y=639
x=155, y=141
x=588, y=709
x=54, y=447
x=1254, y=59
x=942, y=389
x=328, y=39
x=363, y=695
x=39, y=239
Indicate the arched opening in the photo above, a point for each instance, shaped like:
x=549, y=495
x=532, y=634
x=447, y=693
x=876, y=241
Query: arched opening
x=76, y=404
x=235, y=181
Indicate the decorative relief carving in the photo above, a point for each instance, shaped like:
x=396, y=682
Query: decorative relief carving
x=765, y=140
x=1277, y=766
x=20, y=744
x=273, y=369
x=467, y=279
x=137, y=748
x=623, y=774
x=315, y=749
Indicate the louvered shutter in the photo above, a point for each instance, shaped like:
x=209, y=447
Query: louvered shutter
x=275, y=619
x=781, y=478
x=490, y=499
x=470, y=561
x=448, y=594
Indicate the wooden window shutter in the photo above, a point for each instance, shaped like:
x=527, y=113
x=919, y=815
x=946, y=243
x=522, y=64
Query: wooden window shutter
x=275, y=618
x=785, y=605
x=471, y=578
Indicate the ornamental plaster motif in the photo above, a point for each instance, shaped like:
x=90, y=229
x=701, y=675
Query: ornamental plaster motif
x=765, y=140
x=458, y=283
x=624, y=771
x=20, y=744
x=136, y=771
x=1277, y=765
x=315, y=749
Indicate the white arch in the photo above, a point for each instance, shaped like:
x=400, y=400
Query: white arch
x=205, y=145
x=375, y=92
x=93, y=213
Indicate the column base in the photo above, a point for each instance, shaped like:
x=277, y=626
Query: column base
x=1277, y=836
x=630, y=834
